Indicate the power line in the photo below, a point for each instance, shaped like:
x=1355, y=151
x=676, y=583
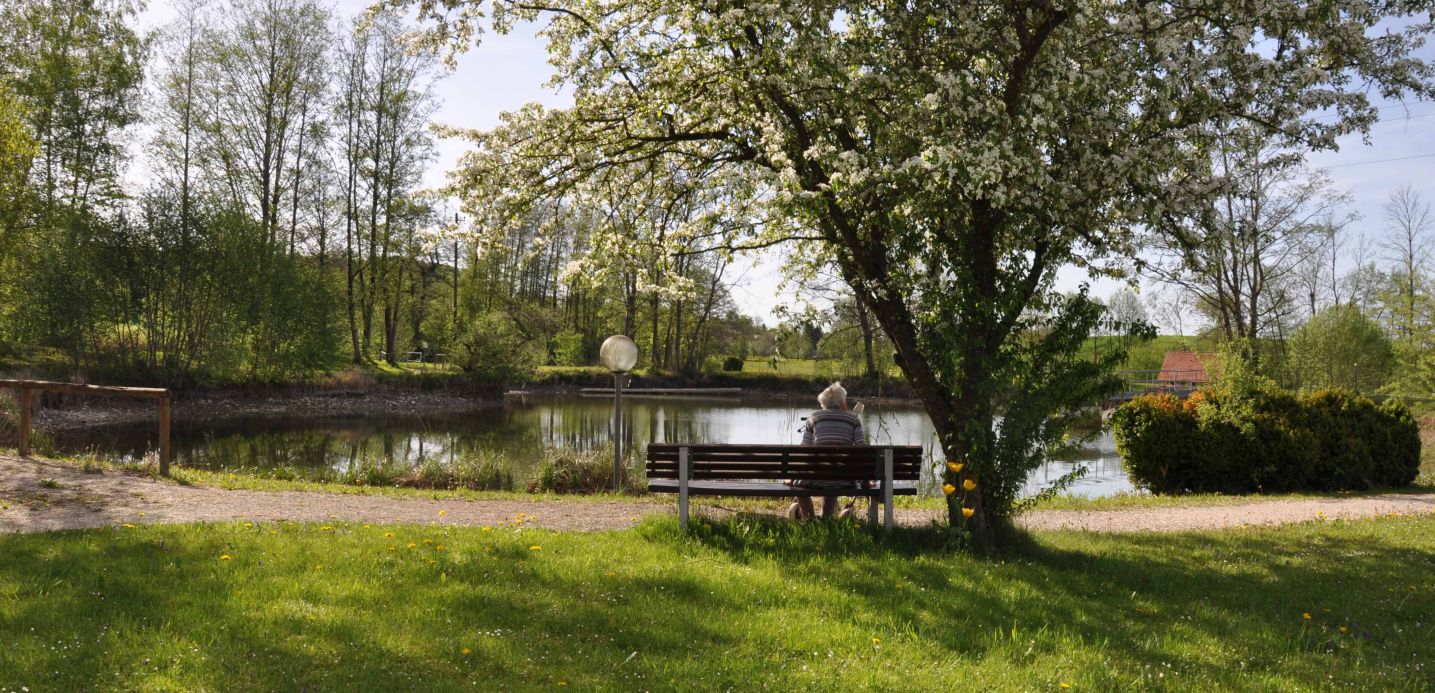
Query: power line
x=1406, y=105
x=1380, y=161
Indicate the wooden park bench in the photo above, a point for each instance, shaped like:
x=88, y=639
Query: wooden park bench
x=762, y=470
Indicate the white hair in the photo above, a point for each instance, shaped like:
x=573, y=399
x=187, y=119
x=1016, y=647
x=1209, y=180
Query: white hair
x=833, y=397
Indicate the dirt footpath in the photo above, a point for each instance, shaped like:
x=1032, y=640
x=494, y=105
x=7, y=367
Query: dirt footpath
x=41, y=495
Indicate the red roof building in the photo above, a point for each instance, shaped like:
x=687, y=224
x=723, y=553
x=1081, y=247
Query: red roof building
x=1185, y=368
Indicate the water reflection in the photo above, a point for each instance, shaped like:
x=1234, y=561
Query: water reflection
x=522, y=428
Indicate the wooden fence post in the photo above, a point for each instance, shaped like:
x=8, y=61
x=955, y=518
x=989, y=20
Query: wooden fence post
x=164, y=435
x=24, y=440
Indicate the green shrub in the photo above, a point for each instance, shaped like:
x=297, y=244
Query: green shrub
x=1266, y=442
x=571, y=471
x=484, y=473
x=494, y=350
x=568, y=349
x=732, y=363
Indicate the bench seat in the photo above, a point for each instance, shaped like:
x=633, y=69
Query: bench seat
x=771, y=489
x=762, y=471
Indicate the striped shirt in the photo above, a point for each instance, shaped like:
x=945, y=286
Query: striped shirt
x=833, y=427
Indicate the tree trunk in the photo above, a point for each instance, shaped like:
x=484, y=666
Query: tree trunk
x=864, y=321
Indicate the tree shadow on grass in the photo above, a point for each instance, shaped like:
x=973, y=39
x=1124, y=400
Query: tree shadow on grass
x=1205, y=604
x=645, y=608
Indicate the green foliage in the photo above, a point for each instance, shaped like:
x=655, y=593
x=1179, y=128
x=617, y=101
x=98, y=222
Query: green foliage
x=17, y=151
x=493, y=349
x=732, y=363
x=1266, y=442
x=1339, y=348
x=568, y=349
x=1239, y=370
x=77, y=66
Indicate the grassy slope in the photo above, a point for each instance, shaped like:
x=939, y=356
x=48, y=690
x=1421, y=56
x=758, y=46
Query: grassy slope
x=738, y=605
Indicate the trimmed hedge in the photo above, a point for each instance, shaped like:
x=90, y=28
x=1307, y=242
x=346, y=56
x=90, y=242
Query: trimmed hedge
x=1266, y=443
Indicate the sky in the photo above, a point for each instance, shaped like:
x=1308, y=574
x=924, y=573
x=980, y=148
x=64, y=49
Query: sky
x=506, y=72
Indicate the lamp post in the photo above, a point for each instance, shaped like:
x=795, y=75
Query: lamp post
x=618, y=354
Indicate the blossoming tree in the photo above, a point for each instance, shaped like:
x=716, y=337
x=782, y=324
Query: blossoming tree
x=949, y=158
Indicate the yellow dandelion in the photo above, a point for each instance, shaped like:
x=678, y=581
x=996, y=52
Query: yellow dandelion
x=634, y=518
x=1064, y=684
x=413, y=545
x=955, y=467
x=969, y=484
x=249, y=524
x=1341, y=629
x=1305, y=615
x=439, y=548
x=428, y=541
x=968, y=512
x=141, y=514
x=949, y=489
x=389, y=535
x=443, y=512
x=486, y=528
x=129, y=526
x=333, y=517
x=224, y=557
x=535, y=548
x=467, y=650
x=876, y=641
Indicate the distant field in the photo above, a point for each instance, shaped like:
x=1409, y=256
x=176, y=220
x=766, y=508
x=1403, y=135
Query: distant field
x=1147, y=356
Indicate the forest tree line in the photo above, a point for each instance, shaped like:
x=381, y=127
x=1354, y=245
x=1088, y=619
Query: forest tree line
x=238, y=195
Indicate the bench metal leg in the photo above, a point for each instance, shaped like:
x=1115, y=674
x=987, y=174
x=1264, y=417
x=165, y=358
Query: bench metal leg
x=871, y=511
x=887, y=486
x=683, y=487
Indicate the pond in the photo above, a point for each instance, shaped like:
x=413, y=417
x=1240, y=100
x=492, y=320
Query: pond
x=523, y=427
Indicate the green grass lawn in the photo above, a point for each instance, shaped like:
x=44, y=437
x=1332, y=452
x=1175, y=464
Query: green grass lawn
x=737, y=605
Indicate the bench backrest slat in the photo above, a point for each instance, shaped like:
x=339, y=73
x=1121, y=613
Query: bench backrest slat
x=812, y=462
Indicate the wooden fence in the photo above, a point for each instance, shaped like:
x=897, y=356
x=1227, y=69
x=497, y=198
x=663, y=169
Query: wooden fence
x=26, y=390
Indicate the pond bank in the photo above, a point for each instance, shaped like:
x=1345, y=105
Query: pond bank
x=362, y=398
x=198, y=406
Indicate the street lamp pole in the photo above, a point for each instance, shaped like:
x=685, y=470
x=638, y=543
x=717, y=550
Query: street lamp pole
x=618, y=354
x=617, y=432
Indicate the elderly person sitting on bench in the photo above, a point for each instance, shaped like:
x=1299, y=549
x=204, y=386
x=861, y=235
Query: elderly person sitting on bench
x=831, y=425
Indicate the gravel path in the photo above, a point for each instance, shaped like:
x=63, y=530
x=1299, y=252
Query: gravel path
x=41, y=495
